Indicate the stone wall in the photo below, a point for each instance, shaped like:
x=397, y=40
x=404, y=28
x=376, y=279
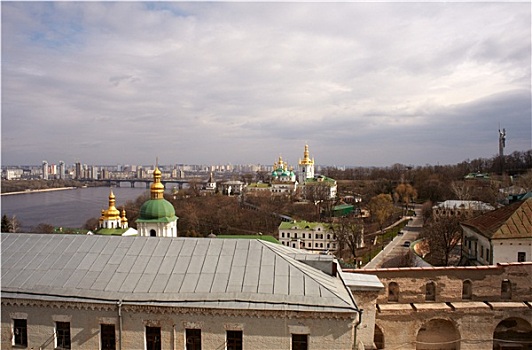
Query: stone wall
x=453, y=320
x=261, y=329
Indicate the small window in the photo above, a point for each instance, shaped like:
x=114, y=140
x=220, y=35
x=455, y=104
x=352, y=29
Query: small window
x=467, y=290
x=430, y=291
x=310, y=235
x=506, y=289
x=193, y=339
x=107, y=336
x=299, y=342
x=153, y=233
x=288, y=235
x=62, y=334
x=234, y=340
x=295, y=235
x=521, y=256
x=393, y=292
x=20, y=332
x=282, y=234
x=153, y=338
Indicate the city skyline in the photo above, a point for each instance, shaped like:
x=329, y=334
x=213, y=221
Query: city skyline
x=362, y=83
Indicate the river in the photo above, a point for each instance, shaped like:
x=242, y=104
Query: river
x=65, y=208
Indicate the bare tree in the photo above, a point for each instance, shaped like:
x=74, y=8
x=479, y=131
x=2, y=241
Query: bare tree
x=381, y=208
x=426, y=211
x=91, y=224
x=15, y=224
x=442, y=236
x=44, y=228
x=525, y=181
x=461, y=190
x=405, y=193
x=349, y=232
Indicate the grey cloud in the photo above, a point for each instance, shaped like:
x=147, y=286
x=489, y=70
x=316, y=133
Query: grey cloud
x=242, y=81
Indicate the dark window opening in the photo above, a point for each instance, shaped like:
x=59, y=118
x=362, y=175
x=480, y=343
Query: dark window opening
x=107, y=336
x=393, y=292
x=153, y=233
x=234, y=340
x=20, y=332
x=506, y=289
x=153, y=338
x=193, y=339
x=62, y=333
x=521, y=256
x=299, y=342
x=430, y=291
x=467, y=291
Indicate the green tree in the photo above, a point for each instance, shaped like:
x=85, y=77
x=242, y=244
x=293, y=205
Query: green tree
x=6, y=224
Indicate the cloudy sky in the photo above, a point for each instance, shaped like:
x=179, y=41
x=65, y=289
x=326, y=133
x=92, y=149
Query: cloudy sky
x=362, y=83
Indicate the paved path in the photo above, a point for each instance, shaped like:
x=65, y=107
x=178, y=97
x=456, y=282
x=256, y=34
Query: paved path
x=395, y=249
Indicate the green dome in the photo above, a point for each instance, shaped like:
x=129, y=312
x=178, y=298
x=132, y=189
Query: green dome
x=157, y=209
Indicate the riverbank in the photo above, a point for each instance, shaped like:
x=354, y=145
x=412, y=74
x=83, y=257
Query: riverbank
x=40, y=190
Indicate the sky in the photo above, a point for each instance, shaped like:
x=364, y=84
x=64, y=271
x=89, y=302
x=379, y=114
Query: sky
x=362, y=83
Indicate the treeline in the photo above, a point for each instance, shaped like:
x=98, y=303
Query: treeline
x=23, y=185
x=517, y=162
x=437, y=182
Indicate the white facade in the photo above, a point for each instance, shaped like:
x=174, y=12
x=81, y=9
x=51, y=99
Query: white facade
x=309, y=236
x=500, y=236
x=157, y=229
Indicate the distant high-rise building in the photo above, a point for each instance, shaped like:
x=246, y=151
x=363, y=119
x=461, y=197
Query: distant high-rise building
x=45, y=170
x=78, y=173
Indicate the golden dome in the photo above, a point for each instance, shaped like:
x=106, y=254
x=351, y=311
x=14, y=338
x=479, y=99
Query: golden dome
x=157, y=188
x=123, y=217
x=306, y=159
x=111, y=213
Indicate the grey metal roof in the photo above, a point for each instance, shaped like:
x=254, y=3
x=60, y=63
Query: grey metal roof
x=195, y=272
x=362, y=282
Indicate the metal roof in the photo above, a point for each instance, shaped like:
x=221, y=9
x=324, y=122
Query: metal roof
x=511, y=221
x=189, y=272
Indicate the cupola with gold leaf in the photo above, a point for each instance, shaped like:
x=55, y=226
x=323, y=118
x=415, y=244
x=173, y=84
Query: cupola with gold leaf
x=157, y=215
x=113, y=221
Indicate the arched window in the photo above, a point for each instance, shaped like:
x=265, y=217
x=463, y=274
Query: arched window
x=467, y=291
x=153, y=233
x=506, y=289
x=393, y=292
x=430, y=291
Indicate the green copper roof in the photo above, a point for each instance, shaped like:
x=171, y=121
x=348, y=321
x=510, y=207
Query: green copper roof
x=157, y=210
x=302, y=225
x=110, y=231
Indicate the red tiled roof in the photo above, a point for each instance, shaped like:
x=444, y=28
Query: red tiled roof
x=511, y=221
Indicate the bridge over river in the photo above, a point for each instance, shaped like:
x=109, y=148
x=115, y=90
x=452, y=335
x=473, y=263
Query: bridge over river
x=147, y=182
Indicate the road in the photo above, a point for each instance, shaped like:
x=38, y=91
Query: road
x=394, y=252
